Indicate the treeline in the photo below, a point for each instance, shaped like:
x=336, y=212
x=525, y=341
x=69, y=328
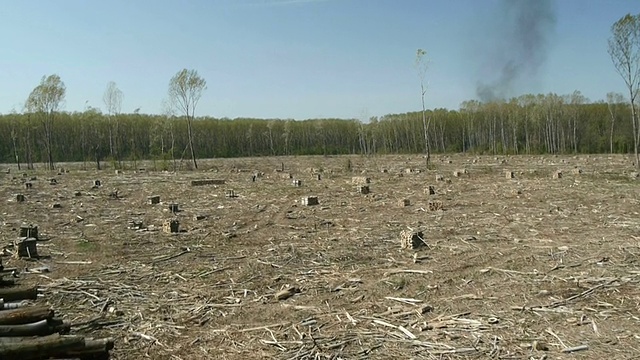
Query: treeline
x=525, y=125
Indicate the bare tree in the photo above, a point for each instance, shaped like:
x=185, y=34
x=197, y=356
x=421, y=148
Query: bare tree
x=185, y=90
x=421, y=66
x=613, y=102
x=44, y=100
x=624, y=48
x=112, y=99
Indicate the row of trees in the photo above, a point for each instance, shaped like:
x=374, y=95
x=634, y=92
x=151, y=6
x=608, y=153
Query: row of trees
x=528, y=124
x=35, y=130
x=525, y=125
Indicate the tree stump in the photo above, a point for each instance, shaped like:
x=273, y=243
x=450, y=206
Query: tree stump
x=171, y=226
x=435, y=205
x=28, y=185
x=27, y=248
x=230, y=194
x=360, y=180
x=310, y=200
x=439, y=178
x=404, y=202
x=557, y=175
x=297, y=183
x=20, y=198
x=364, y=189
x=509, y=174
x=153, y=200
x=29, y=231
x=174, y=208
x=411, y=240
x=430, y=190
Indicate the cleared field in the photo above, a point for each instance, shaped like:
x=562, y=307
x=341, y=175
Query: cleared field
x=511, y=267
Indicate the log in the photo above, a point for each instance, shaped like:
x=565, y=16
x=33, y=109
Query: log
x=19, y=293
x=25, y=315
x=12, y=305
x=87, y=349
x=40, y=328
x=94, y=347
x=40, y=347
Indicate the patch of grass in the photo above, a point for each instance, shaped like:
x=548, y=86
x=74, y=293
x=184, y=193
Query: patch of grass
x=86, y=246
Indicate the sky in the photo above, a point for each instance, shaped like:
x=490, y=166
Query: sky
x=302, y=59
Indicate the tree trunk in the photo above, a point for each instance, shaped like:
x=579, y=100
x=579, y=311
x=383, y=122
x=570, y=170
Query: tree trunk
x=193, y=153
x=14, y=139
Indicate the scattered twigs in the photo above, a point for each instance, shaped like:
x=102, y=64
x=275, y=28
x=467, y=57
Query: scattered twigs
x=171, y=257
x=575, y=349
x=409, y=271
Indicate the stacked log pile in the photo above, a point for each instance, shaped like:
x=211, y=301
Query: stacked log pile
x=30, y=331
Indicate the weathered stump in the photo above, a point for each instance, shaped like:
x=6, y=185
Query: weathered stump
x=430, y=190
x=297, y=183
x=404, y=202
x=557, y=175
x=310, y=200
x=171, y=226
x=29, y=231
x=230, y=194
x=411, y=240
x=435, y=205
x=509, y=174
x=136, y=225
x=28, y=185
x=153, y=200
x=27, y=248
x=174, y=208
x=360, y=180
x=20, y=198
x=364, y=189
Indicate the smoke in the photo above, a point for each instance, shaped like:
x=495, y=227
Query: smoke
x=517, y=46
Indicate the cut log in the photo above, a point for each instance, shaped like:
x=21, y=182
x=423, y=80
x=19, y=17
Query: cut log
x=40, y=328
x=25, y=315
x=39, y=348
x=19, y=293
x=12, y=305
x=95, y=347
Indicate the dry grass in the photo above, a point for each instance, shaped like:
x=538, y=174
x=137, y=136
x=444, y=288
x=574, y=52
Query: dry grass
x=513, y=268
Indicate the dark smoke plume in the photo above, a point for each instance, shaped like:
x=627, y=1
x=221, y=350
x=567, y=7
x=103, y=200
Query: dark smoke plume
x=522, y=37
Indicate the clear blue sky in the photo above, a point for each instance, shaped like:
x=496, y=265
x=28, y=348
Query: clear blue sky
x=295, y=58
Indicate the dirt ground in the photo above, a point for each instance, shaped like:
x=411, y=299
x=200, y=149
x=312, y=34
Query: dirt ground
x=531, y=267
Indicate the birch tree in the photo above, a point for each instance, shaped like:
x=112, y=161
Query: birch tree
x=624, y=48
x=185, y=90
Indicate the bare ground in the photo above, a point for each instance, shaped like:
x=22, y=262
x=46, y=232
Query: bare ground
x=517, y=268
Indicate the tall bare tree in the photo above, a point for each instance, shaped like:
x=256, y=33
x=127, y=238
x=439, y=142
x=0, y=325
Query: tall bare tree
x=614, y=100
x=185, y=90
x=45, y=100
x=624, y=48
x=421, y=66
x=112, y=99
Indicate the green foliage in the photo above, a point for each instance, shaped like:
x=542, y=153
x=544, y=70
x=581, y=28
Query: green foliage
x=529, y=124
